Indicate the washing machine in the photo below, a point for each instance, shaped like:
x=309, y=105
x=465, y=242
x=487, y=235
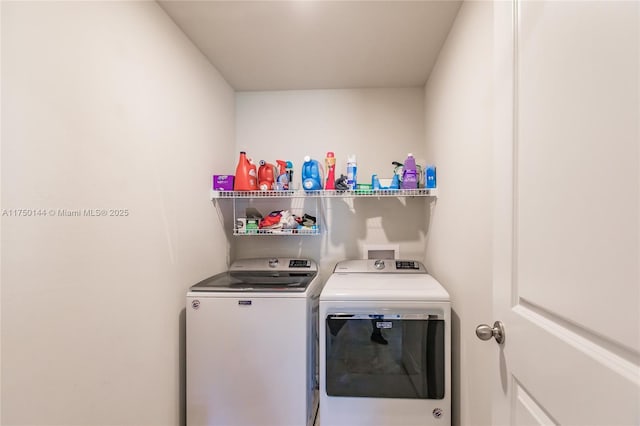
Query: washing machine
x=385, y=346
x=252, y=345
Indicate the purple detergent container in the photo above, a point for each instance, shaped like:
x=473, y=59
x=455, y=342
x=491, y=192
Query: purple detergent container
x=409, y=173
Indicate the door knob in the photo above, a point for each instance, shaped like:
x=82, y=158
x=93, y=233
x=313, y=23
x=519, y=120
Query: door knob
x=485, y=332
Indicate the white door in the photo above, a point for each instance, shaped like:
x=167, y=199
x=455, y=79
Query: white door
x=566, y=210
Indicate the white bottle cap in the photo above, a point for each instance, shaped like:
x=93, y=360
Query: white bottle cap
x=307, y=158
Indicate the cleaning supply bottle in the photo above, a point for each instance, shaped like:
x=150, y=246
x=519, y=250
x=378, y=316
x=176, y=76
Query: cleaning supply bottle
x=375, y=182
x=311, y=175
x=289, y=170
x=282, y=181
x=330, y=163
x=409, y=173
x=430, y=176
x=352, y=172
x=266, y=176
x=245, y=178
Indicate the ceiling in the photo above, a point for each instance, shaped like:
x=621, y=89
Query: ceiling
x=317, y=44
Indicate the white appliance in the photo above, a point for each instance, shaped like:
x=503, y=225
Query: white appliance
x=252, y=343
x=385, y=346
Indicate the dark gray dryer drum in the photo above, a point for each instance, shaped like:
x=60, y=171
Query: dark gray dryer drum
x=385, y=356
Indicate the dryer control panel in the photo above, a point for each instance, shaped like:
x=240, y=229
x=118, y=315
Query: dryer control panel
x=383, y=266
x=407, y=265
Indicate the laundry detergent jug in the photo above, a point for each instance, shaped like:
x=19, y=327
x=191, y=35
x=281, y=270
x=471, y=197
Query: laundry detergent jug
x=246, y=178
x=266, y=176
x=311, y=175
x=410, y=173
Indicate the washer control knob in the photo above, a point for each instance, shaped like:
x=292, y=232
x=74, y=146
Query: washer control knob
x=273, y=263
x=378, y=264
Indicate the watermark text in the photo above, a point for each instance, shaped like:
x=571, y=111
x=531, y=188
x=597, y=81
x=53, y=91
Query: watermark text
x=99, y=212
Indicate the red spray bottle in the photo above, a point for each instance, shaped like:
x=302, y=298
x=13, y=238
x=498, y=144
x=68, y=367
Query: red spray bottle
x=330, y=163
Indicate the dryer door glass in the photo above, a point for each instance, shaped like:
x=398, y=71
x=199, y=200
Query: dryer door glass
x=385, y=356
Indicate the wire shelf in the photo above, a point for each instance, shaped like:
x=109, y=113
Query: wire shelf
x=250, y=196
x=254, y=232
x=377, y=193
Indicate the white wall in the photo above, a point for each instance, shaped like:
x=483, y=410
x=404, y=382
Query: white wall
x=105, y=105
x=458, y=105
x=378, y=125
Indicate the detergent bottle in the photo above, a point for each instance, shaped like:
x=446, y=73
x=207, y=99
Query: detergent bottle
x=409, y=173
x=311, y=175
x=246, y=176
x=282, y=181
x=266, y=176
x=330, y=163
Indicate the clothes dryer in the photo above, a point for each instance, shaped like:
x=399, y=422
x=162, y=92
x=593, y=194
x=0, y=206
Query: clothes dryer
x=385, y=346
x=252, y=343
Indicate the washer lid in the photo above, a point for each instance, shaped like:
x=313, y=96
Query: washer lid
x=391, y=287
x=257, y=281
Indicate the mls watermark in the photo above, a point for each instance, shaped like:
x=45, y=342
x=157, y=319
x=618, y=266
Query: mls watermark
x=65, y=212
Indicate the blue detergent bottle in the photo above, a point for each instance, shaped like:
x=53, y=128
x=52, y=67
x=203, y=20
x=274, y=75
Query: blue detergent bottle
x=311, y=175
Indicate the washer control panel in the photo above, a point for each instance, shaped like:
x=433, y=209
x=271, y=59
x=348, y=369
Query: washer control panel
x=274, y=264
x=299, y=263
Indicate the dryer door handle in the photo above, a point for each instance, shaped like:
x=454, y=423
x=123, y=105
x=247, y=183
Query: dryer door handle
x=403, y=316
